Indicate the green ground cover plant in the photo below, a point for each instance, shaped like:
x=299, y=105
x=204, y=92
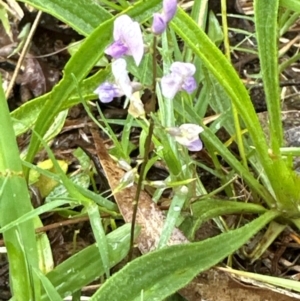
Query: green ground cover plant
x=158, y=46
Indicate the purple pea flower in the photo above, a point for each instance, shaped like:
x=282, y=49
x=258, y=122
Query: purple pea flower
x=128, y=39
x=169, y=9
x=188, y=135
x=160, y=21
x=159, y=24
x=180, y=78
x=107, y=92
x=121, y=86
x=122, y=80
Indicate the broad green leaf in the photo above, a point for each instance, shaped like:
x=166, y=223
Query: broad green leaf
x=160, y=273
x=285, y=183
x=86, y=266
x=82, y=15
x=266, y=34
x=215, y=32
x=212, y=208
x=173, y=213
x=46, y=262
x=14, y=203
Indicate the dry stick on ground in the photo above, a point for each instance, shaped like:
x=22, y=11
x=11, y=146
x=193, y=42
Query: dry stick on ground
x=23, y=53
x=58, y=225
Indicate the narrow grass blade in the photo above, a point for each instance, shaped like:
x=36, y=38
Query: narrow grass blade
x=266, y=34
x=99, y=235
x=50, y=290
x=86, y=266
x=276, y=281
x=21, y=221
x=291, y=4
x=172, y=216
x=207, y=209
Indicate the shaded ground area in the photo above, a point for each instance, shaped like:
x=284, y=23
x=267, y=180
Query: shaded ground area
x=214, y=285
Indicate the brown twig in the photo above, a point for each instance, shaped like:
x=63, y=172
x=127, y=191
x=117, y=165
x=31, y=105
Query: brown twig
x=23, y=54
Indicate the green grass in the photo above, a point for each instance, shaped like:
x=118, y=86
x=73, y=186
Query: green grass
x=271, y=186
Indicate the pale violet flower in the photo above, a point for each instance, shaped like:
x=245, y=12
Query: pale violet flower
x=107, y=92
x=121, y=86
x=160, y=21
x=187, y=135
x=180, y=78
x=122, y=80
x=128, y=39
x=159, y=24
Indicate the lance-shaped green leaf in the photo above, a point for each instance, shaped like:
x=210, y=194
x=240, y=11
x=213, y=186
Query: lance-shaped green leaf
x=14, y=203
x=157, y=275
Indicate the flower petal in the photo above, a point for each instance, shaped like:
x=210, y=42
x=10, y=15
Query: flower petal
x=159, y=24
x=187, y=135
x=128, y=39
x=134, y=40
x=189, y=84
x=170, y=85
x=187, y=142
x=185, y=69
x=120, y=25
x=169, y=9
x=107, y=92
x=195, y=146
x=121, y=76
x=191, y=129
x=117, y=49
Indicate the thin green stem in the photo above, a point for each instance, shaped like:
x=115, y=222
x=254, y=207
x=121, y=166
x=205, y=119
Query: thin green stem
x=146, y=155
x=234, y=109
x=139, y=187
x=289, y=62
